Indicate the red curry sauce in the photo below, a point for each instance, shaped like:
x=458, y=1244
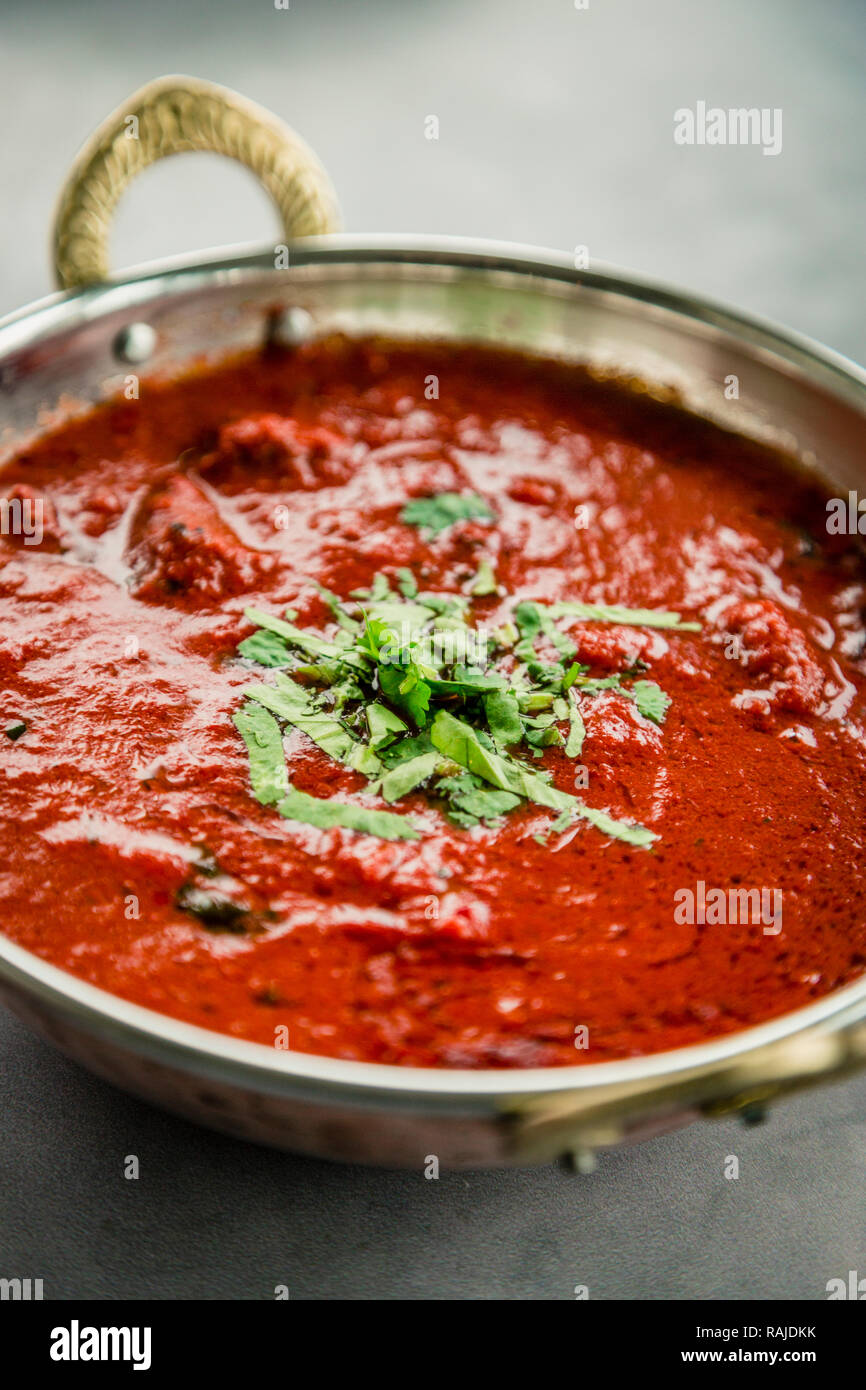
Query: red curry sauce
x=167, y=516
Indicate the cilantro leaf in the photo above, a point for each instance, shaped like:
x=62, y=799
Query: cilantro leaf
x=484, y=584
x=409, y=774
x=577, y=729
x=338, y=610
x=406, y=660
x=405, y=749
x=384, y=725
x=404, y=687
x=593, y=685
x=470, y=802
x=364, y=758
x=651, y=700
x=261, y=734
x=435, y=514
x=294, y=704
x=533, y=619
x=628, y=617
x=313, y=810
x=503, y=717
x=407, y=583
x=266, y=649
x=308, y=642
x=459, y=742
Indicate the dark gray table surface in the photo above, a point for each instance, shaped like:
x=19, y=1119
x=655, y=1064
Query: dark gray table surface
x=556, y=129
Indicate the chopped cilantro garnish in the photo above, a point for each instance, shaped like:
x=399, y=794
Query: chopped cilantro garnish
x=460, y=742
x=384, y=725
x=484, y=584
x=402, y=689
x=314, y=810
x=652, y=701
x=405, y=687
x=338, y=610
x=628, y=617
x=534, y=620
x=407, y=583
x=266, y=649
x=436, y=514
x=503, y=717
x=295, y=704
x=406, y=776
x=261, y=733
x=576, y=731
x=470, y=802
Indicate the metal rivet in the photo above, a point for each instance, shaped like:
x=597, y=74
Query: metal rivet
x=753, y=1114
x=135, y=343
x=289, y=327
x=581, y=1160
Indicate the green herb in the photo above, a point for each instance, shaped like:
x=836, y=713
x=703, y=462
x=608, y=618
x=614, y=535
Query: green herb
x=309, y=642
x=405, y=687
x=544, y=738
x=294, y=704
x=528, y=701
x=577, y=729
x=471, y=803
x=628, y=617
x=458, y=741
x=571, y=675
x=15, y=729
x=214, y=910
x=407, y=583
x=338, y=610
x=266, y=649
x=379, y=590
x=593, y=686
x=507, y=635
x=261, y=734
x=651, y=700
x=503, y=717
x=484, y=582
x=364, y=758
x=384, y=725
x=436, y=514
x=534, y=620
x=406, y=776
x=405, y=749
x=406, y=695
x=312, y=810
x=467, y=682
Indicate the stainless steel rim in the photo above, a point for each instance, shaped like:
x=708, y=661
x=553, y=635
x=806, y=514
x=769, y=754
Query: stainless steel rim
x=150, y=1033
x=232, y=265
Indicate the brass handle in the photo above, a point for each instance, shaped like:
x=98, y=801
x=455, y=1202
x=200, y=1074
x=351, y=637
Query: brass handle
x=584, y=1121
x=173, y=115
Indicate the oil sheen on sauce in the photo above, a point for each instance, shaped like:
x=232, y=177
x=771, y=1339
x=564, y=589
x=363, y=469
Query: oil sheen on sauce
x=166, y=516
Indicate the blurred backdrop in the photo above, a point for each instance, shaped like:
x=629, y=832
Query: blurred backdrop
x=555, y=127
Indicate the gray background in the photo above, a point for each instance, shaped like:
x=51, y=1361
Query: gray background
x=555, y=128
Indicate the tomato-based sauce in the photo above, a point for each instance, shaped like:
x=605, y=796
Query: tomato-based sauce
x=508, y=944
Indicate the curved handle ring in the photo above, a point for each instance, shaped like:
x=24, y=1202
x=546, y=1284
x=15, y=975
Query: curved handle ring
x=173, y=115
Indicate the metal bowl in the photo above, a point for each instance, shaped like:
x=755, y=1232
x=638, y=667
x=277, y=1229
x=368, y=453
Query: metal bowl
x=68, y=352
